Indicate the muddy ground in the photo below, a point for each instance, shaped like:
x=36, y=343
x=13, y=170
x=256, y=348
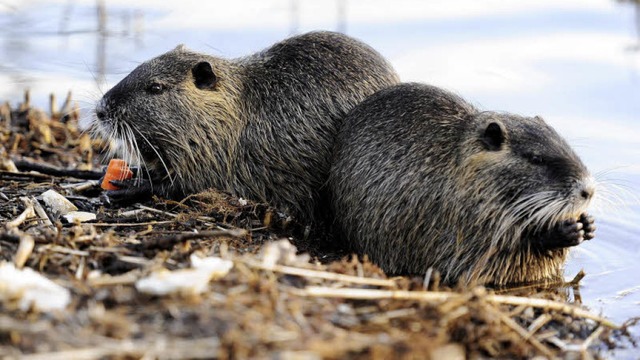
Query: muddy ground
x=273, y=303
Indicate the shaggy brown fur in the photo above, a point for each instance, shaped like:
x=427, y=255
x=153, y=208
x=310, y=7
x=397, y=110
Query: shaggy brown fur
x=422, y=179
x=260, y=127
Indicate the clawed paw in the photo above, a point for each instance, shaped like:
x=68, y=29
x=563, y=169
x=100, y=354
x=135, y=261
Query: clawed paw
x=573, y=232
x=130, y=190
x=570, y=232
x=588, y=226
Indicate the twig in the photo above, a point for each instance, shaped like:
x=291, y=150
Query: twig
x=116, y=224
x=8, y=175
x=25, y=248
x=25, y=165
x=576, y=279
x=167, y=242
x=135, y=260
x=124, y=279
x=538, y=323
x=550, y=304
x=111, y=250
x=156, y=348
x=150, y=209
x=522, y=332
x=10, y=323
x=62, y=250
x=26, y=214
x=372, y=294
x=204, y=219
x=383, y=318
x=557, y=342
x=81, y=186
x=289, y=270
x=41, y=213
x=131, y=213
x=594, y=335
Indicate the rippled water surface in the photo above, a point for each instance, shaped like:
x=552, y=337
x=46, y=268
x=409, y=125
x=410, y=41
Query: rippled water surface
x=576, y=63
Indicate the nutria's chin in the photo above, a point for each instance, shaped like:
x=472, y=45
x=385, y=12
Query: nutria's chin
x=421, y=179
x=261, y=127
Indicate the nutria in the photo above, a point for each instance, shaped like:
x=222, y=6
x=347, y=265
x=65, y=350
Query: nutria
x=260, y=127
x=421, y=179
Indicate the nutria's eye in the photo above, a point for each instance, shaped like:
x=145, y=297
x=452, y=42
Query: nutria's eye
x=156, y=88
x=535, y=159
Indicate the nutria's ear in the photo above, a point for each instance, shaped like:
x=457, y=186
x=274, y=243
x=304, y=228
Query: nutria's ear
x=203, y=75
x=180, y=47
x=494, y=136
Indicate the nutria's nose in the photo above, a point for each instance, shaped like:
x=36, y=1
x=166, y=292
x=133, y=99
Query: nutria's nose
x=587, y=190
x=101, y=113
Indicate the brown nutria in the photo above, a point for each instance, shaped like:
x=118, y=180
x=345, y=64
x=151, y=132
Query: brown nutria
x=260, y=127
x=421, y=179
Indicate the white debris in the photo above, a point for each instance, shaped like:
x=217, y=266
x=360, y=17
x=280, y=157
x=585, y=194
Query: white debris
x=185, y=281
x=281, y=252
x=80, y=216
x=57, y=203
x=29, y=288
x=242, y=202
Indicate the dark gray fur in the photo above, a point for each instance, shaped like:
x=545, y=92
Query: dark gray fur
x=421, y=179
x=263, y=131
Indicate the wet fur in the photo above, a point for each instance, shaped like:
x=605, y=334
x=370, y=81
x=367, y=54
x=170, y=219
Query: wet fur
x=414, y=185
x=266, y=130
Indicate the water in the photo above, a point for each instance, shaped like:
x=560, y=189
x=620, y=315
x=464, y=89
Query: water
x=576, y=63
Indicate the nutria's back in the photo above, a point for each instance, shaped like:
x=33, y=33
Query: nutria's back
x=261, y=127
x=422, y=179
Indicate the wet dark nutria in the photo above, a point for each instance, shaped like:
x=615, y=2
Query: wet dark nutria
x=422, y=179
x=260, y=127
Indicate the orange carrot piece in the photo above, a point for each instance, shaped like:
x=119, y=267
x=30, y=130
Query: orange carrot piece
x=117, y=170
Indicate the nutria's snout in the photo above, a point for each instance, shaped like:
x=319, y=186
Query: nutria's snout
x=101, y=111
x=586, y=189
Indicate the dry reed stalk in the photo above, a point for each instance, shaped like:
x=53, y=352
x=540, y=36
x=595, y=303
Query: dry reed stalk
x=433, y=296
x=27, y=213
x=290, y=270
x=520, y=331
x=25, y=249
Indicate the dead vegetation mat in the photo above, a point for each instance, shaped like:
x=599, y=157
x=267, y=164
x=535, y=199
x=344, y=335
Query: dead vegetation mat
x=273, y=303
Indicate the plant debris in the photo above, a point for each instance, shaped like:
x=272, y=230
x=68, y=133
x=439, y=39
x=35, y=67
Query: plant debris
x=185, y=281
x=31, y=289
x=140, y=278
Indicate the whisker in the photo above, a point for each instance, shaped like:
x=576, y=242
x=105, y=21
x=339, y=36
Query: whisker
x=157, y=153
x=141, y=162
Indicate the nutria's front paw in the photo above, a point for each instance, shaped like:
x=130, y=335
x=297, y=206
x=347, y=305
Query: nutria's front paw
x=131, y=190
x=588, y=226
x=569, y=233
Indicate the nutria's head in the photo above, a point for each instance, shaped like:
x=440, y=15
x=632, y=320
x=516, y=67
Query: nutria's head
x=519, y=177
x=173, y=114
